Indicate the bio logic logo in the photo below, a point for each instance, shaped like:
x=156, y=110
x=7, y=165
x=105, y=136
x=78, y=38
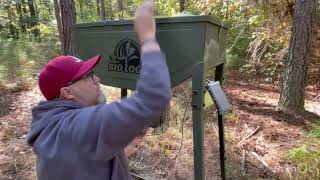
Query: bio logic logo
x=126, y=57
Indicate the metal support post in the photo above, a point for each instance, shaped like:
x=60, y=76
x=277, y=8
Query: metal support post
x=198, y=89
x=219, y=77
x=124, y=93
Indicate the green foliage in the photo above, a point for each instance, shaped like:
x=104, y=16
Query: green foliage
x=17, y=22
x=233, y=117
x=259, y=38
x=315, y=130
x=86, y=11
x=306, y=158
x=21, y=60
x=258, y=35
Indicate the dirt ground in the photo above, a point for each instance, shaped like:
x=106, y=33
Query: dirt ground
x=257, y=137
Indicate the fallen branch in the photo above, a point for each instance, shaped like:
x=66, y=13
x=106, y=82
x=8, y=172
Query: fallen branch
x=234, y=43
x=251, y=134
x=155, y=164
x=259, y=158
x=243, y=162
x=288, y=172
x=151, y=166
x=138, y=177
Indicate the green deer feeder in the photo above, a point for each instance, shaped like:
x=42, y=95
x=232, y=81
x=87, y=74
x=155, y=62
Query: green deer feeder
x=192, y=44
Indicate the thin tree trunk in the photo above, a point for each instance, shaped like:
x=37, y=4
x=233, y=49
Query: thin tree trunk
x=34, y=18
x=24, y=8
x=81, y=8
x=226, y=4
x=48, y=5
x=22, y=24
x=58, y=18
x=68, y=19
x=315, y=55
x=12, y=28
x=120, y=8
x=98, y=9
x=293, y=90
x=103, y=10
x=182, y=4
x=31, y=8
x=110, y=12
x=36, y=10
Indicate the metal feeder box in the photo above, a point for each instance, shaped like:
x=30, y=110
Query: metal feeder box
x=192, y=45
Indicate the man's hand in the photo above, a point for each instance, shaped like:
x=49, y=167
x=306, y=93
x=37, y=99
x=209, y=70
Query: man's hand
x=144, y=23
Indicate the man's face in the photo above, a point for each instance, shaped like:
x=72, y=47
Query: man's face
x=86, y=91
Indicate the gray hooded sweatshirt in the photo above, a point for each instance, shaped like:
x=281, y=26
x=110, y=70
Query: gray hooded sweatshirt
x=74, y=142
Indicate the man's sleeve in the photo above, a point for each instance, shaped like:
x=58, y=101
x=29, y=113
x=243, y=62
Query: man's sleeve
x=105, y=130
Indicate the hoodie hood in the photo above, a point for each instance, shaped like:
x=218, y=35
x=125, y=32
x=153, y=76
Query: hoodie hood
x=43, y=115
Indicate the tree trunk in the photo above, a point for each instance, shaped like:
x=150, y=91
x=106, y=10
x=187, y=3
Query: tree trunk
x=110, y=12
x=12, y=28
x=294, y=82
x=120, y=8
x=81, y=8
x=98, y=9
x=24, y=8
x=34, y=18
x=226, y=4
x=58, y=18
x=22, y=24
x=182, y=4
x=36, y=10
x=49, y=7
x=315, y=50
x=68, y=17
x=31, y=9
x=103, y=10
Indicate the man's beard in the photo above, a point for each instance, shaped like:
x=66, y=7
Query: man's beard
x=101, y=99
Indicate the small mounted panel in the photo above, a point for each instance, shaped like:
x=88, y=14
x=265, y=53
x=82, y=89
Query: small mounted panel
x=219, y=97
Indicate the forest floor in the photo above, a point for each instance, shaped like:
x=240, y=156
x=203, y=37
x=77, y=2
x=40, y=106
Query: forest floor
x=258, y=138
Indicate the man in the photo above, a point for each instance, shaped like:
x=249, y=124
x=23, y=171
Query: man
x=74, y=134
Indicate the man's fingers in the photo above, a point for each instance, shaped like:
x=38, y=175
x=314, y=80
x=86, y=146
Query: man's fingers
x=146, y=6
x=149, y=5
x=144, y=23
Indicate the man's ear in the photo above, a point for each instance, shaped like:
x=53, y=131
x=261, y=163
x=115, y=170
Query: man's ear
x=66, y=93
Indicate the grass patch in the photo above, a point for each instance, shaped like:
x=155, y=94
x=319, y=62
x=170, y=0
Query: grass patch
x=306, y=157
x=234, y=61
x=315, y=130
x=20, y=62
x=22, y=166
x=7, y=135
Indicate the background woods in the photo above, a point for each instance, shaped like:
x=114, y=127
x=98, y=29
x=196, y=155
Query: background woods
x=258, y=40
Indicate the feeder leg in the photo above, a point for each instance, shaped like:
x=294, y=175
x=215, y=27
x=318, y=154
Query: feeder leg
x=124, y=93
x=219, y=77
x=198, y=89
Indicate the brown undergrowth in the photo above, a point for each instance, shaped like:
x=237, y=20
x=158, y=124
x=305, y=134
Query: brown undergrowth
x=258, y=139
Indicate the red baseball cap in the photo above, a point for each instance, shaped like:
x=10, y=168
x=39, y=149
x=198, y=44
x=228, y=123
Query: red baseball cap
x=62, y=70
